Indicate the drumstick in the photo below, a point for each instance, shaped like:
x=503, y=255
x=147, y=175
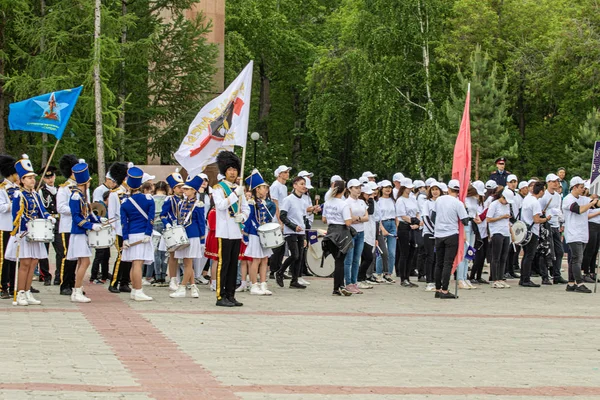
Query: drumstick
x=136, y=243
x=317, y=198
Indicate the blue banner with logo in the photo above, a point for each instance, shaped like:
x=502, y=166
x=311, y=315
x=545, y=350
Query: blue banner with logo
x=48, y=113
x=594, y=181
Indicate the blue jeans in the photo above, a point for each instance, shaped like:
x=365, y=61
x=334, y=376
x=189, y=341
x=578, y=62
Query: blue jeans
x=352, y=260
x=463, y=267
x=390, y=226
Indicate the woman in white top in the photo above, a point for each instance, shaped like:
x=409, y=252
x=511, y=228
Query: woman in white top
x=407, y=213
x=471, y=205
x=433, y=193
x=358, y=210
x=387, y=212
x=368, y=196
x=498, y=219
x=481, y=238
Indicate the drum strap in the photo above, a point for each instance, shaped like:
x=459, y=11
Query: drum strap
x=136, y=205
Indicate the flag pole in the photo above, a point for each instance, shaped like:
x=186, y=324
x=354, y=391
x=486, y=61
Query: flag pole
x=243, y=165
x=47, y=165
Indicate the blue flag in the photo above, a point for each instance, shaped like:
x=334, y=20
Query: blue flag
x=48, y=113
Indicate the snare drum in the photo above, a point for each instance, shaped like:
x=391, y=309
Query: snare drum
x=40, y=230
x=521, y=234
x=270, y=235
x=175, y=238
x=103, y=239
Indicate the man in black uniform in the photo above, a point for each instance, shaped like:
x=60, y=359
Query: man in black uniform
x=48, y=194
x=501, y=174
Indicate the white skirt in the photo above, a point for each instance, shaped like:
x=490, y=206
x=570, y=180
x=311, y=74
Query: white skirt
x=78, y=247
x=194, y=250
x=255, y=250
x=26, y=250
x=142, y=251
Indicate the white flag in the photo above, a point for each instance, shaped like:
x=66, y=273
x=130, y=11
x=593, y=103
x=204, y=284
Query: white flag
x=220, y=124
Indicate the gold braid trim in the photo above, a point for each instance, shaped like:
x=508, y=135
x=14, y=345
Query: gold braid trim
x=17, y=222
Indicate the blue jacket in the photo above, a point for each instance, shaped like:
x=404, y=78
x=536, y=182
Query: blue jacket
x=258, y=216
x=82, y=218
x=195, y=226
x=132, y=221
x=170, y=210
x=32, y=208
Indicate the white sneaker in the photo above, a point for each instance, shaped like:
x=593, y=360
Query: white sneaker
x=379, y=278
x=202, y=280
x=132, y=293
x=242, y=287
x=463, y=285
x=213, y=286
x=497, y=285
x=141, y=296
x=430, y=287
x=22, y=298
x=303, y=281
x=180, y=292
x=31, y=300
x=195, y=293
x=256, y=289
x=364, y=285
x=146, y=282
x=506, y=285
x=173, y=286
x=468, y=282
x=79, y=297
x=264, y=288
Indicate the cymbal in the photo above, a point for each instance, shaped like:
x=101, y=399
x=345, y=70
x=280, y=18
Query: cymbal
x=99, y=209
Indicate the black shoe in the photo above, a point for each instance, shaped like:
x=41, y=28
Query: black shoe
x=34, y=290
x=529, y=284
x=336, y=293
x=483, y=281
x=279, y=279
x=124, y=289
x=437, y=295
x=412, y=284
x=422, y=279
x=507, y=276
x=560, y=281
x=414, y=273
x=286, y=276
x=66, y=292
x=236, y=303
x=571, y=288
x=295, y=284
x=47, y=282
x=546, y=282
x=4, y=294
x=56, y=282
x=405, y=283
x=224, y=302
x=514, y=275
x=588, y=279
x=113, y=289
x=272, y=275
x=447, y=295
x=582, y=289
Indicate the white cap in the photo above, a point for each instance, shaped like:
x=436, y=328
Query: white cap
x=551, y=177
x=305, y=174
x=363, y=180
x=220, y=177
x=308, y=185
x=587, y=184
x=442, y=187
x=366, y=189
x=576, y=181
x=369, y=174
x=523, y=184
x=454, y=184
x=147, y=177
x=419, y=184
x=512, y=177
x=373, y=185
x=353, y=183
x=529, y=182
x=385, y=183
x=398, y=177
x=429, y=181
x=407, y=183
x=509, y=195
x=480, y=187
x=336, y=178
x=491, y=184
x=203, y=176
x=280, y=169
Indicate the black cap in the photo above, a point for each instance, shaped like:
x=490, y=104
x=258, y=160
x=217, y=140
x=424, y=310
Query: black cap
x=500, y=159
x=51, y=171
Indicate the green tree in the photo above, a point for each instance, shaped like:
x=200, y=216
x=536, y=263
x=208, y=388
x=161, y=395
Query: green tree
x=581, y=149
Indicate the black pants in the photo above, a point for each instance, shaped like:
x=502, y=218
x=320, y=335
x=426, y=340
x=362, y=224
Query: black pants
x=500, y=245
x=45, y=263
x=67, y=268
x=7, y=267
x=513, y=259
x=276, y=259
x=100, y=264
x=558, y=252
x=591, y=249
x=296, y=245
x=227, y=267
x=365, y=262
x=429, y=248
x=479, y=260
x=446, y=249
x=121, y=269
x=338, y=272
x=529, y=249
x=405, y=258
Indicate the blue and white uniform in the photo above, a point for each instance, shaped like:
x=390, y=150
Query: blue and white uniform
x=191, y=217
x=137, y=224
x=259, y=215
x=82, y=221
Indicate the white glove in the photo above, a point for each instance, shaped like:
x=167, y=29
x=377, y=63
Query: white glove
x=199, y=204
x=239, y=191
x=239, y=218
x=146, y=239
x=168, y=226
x=103, y=220
x=96, y=227
x=52, y=219
x=125, y=244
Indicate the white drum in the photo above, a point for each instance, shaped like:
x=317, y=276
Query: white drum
x=270, y=235
x=40, y=230
x=103, y=239
x=175, y=238
x=318, y=266
x=155, y=239
x=522, y=235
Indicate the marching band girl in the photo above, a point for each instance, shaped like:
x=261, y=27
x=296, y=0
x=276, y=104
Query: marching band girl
x=26, y=205
x=191, y=217
x=259, y=215
x=82, y=220
x=137, y=220
x=168, y=216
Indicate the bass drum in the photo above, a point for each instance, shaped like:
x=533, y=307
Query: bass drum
x=314, y=256
x=521, y=234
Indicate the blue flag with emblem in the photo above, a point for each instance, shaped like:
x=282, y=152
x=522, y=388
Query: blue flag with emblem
x=48, y=113
x=313, y=237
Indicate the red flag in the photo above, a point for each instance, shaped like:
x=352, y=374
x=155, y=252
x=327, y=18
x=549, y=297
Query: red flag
x=461, y=170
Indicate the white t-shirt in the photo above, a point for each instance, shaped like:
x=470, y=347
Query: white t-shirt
x=358, y=208
x=296, y=211
x=553, y=208
x=530, y=208
x=576, y=225
x=483, y=225
x=495, y=210
x=308, y=200
x=99, y=193
x=449, y=211
x=336, y=211
x=278, y=191
x=426, y=212
x=407, y=207
x=387, y=208
x=471, y=204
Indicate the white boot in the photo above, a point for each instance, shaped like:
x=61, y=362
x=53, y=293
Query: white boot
x=180, y=292
x=79, y=297
x=213, y=286
x=132, y=294
x=31, y=300
x=256, y=289
x=22, y=298
x=195, y=293
x=173, y=286
x=141, y=296
x=242, y=287
x=263, y=287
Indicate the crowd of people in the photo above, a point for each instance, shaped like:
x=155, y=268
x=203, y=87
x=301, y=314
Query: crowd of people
x=184, y=233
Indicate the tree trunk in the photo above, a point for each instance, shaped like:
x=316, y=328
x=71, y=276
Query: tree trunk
x=264, y=105
x=477, y=161
x=122, y=90
x=424, y=24
x=42, y=48
x=297, y=143
x=2, y=117
x=98, y=92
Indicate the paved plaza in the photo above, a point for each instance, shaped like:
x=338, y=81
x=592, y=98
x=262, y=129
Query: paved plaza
x=390, y=343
